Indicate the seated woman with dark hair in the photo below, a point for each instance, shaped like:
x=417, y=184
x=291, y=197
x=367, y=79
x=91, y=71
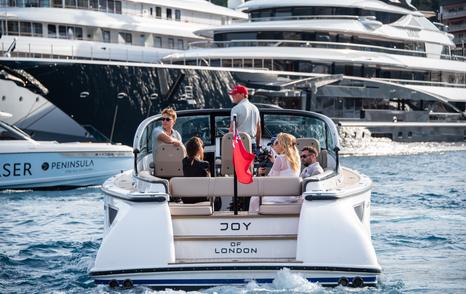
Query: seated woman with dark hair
x=194, y=165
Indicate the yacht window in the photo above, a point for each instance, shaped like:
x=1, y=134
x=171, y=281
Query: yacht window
x=180, y=44
x=70, y=32
x=110, y=6
x=158, y=12
x=82, y=4
x=37, y=29
x=70, y=3
x=171, y=43
x=118, y=7
x=151, y=11
x=106, y=36
x=57, y=3
x=283, y=12
x=78, y=33
x=25, y=28
x=94, y=4
x=177, y=14
x=158, y=42
x=102, y=5
x=52, y=31
x=169, y=13
x=31, y=3
x=12, y=3
x=13, y=28
x=125, y=38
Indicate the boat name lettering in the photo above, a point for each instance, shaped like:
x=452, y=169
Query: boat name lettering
x=16, y=169
x=72, y=164
x=234, y=226
x=235, y=248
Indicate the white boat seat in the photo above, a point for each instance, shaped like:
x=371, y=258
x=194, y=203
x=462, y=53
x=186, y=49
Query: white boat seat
x=200, y=208
x=168, y=160
x=227, y=151
x=223, y=186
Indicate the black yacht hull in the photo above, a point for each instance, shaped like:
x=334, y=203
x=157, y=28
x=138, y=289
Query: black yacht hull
x=106, y=96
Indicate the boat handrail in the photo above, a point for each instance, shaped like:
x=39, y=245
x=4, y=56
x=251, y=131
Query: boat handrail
x=317, y=44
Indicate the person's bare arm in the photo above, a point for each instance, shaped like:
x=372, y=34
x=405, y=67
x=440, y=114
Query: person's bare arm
x=258, y=134
x=168, y=140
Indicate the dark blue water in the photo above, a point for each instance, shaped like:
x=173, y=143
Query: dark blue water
x=48, y=240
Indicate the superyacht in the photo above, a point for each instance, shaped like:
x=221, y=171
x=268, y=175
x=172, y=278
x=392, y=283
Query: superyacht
x=372, y=65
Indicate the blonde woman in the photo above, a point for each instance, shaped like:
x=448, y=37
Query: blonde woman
x=286, y=163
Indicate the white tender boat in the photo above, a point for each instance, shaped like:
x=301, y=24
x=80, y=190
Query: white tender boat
x=325, y=235
x=25, y=163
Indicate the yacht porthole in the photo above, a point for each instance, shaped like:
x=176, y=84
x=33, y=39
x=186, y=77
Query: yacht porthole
x=20, y=98
x=3, y=98
x=37, y=99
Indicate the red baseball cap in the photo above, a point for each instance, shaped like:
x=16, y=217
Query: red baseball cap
x=239, y=89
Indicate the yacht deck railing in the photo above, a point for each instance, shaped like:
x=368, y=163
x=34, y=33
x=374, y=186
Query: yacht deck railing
x=318, y=44
x=305, y=17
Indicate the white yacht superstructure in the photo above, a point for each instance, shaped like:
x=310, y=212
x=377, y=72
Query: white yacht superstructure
x=142, y=31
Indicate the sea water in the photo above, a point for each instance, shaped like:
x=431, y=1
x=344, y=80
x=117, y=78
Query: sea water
x=48, y=239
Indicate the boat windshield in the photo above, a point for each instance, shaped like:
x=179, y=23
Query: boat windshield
x=211, y=125
x=8, y=132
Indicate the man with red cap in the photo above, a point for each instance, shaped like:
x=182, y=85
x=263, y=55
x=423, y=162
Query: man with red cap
x=247, y=114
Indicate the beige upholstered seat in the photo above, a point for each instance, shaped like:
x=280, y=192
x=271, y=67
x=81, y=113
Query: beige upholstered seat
x=323, y=155
x=303, y=142
x=168, y=160
x=227, y=151
x=223, y=186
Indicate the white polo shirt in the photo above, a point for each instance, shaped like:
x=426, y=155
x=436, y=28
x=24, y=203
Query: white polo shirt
x=247, y=117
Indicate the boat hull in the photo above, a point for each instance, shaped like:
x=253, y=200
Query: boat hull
x=27, y=170
x=196, y=276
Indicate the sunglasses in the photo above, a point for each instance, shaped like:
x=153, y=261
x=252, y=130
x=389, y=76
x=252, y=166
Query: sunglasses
x=304, y=156
x=166, y=119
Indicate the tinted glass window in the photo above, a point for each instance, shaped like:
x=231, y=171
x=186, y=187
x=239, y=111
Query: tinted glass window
x=190, y=126
x=298, y=126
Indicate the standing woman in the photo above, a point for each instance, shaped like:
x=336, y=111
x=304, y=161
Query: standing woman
x=194, y=165
x=166, y=133
x=287, y=163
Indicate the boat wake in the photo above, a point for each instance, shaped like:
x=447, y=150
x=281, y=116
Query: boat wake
x=361, y=143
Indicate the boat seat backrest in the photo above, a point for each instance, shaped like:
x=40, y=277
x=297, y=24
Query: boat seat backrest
x=168, y=160
x=322, y=158
x=223, y=186
x=227, y=151
x=303, y=142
